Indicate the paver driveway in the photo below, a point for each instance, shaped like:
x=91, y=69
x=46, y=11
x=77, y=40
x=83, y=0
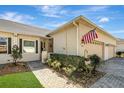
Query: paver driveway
x=115, y=74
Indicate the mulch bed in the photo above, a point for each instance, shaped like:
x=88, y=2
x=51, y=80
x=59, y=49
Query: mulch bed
x=12, y=68
x=86, y=80
x=83, y=79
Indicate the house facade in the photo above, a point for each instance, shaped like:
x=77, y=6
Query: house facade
x=31, y=41
x=64, y=40
x=67, y=40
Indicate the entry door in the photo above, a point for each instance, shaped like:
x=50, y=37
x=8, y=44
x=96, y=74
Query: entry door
x=106, y=52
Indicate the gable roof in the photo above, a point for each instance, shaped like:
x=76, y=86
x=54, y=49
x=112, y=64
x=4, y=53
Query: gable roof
x=19, y=28
x=85, y=19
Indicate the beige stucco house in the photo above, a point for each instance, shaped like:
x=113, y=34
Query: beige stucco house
x=67, y=39
x=64, y=40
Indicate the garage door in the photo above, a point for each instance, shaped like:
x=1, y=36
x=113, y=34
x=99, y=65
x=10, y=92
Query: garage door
x=94, y=48
x=111, y=51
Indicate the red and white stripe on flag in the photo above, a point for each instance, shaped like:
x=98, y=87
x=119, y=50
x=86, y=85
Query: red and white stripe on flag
x=90, y=36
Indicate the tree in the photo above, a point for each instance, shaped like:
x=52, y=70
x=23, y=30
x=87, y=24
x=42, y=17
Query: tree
x=16, y=54
x=95, y=61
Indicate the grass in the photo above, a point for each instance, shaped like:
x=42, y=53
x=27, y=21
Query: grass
x=19, y=80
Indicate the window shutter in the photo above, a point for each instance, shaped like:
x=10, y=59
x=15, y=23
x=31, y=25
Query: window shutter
x=9, y=45
x=36, y=46
x=20, y=45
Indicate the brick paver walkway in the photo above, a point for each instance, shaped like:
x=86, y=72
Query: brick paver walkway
x=115, y=74
x=48, y=78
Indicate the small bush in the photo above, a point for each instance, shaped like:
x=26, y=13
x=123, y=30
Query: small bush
x=16, y=54
x=49, y=62
x=118, y=53
x=69, y=70
x=56, y=65
x=95, y=61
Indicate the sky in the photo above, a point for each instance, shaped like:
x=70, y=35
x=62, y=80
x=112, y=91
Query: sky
x=110, y=18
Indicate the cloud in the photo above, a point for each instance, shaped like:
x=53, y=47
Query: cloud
x=57, y=24
x=91, y=11
x=53, y=24
x=14, y=16
x=118, y=32
x=51, y=10
x=97, y=8
x=103, y=20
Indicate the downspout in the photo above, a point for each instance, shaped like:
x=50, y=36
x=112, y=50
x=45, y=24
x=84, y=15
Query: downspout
x=77, y=30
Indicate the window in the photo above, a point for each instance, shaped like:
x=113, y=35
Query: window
x=3, y=45
x=29, y=46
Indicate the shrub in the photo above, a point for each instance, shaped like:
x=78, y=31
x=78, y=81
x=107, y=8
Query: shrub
x=67, y=60
x=49, y=61
x=95, y=61
x=69, y=69
x=16, y=54
x=56, y=65
x=118, y=53
x=71, y=63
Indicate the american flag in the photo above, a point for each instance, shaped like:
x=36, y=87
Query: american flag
x=90, y=36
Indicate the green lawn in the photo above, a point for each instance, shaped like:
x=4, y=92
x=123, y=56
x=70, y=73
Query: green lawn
x=19, y=80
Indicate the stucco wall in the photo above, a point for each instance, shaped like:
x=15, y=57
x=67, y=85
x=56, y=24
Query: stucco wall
x=59, y=40
x=64, y=42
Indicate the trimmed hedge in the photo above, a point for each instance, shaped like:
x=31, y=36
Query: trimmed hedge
x=67, y=60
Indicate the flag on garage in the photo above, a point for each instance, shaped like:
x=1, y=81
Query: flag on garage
x=90, y=36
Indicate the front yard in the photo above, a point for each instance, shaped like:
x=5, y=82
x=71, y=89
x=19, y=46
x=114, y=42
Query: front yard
x=19, y=80
x=17, y=76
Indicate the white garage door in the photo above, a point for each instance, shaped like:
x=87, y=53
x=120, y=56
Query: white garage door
x=108, y=52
